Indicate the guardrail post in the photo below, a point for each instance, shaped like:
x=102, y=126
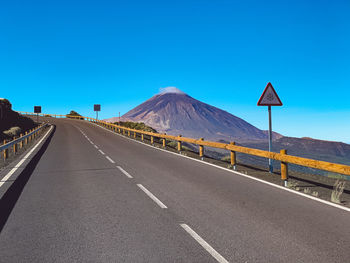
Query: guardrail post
x=135, y=134
x=15, y=146
x=26, y=139
x=233, y=158
x=179, y=144
x=142, y=137
x=5, y=152
x=284, y=169
x=21, y=142
x=128, y=133
x=123, y=131
x=201, y=149
x=164, y=142
x=152, y=140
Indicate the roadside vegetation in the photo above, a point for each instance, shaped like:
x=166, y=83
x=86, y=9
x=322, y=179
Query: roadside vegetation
x=173, y=144
x=136, y=125
x=75, y=114
x=338, y=190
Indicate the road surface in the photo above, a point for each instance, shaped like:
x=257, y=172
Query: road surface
x=94, y=196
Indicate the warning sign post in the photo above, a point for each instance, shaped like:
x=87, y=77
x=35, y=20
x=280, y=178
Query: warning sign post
x=270, y=98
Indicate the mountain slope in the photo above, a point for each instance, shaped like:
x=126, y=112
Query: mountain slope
x=178, y=113
x=328, y=151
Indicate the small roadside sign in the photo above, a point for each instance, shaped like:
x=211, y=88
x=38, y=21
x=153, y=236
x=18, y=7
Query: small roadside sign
x=269, y=97
x=37, y=109
x=97, y=107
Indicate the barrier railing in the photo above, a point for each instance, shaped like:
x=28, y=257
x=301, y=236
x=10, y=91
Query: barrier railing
x=282, y=156
x=21, y=141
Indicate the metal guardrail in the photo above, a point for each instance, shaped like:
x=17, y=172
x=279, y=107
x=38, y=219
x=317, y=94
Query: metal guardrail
x=283, y=157
x=28, y=136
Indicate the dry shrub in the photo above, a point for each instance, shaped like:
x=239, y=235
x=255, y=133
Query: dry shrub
x=338, y=190
x=14, y=131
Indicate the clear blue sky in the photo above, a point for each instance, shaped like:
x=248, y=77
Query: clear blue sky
x=68, y=55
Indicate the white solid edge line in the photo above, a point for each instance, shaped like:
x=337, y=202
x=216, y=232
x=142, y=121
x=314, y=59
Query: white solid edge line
x=95, y=146
x=238, y=173
x=101, y=152
x=109, y=159
x=18, y=165
x=204, y=244
x=124, y=172
x=150, y=195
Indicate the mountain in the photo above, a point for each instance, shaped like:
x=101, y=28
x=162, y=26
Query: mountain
x=175, y=112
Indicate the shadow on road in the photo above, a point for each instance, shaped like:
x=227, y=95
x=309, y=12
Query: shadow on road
x=9, y=199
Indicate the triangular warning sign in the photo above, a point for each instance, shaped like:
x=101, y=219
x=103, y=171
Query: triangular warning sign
x=269, y=97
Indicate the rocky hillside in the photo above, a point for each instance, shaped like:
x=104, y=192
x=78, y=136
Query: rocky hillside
x=10, y=119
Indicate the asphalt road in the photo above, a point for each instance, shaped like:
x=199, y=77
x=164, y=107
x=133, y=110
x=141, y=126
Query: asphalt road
x=95, y=196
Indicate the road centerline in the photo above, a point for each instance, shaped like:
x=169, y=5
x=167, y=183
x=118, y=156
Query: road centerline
x=124, y=172
x=153, y=197
x=109, y=159
x=204, y=244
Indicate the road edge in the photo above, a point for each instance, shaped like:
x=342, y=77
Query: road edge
x=235, y=172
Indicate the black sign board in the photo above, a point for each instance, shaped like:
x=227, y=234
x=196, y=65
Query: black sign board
x=37, y=109
x=97, y=107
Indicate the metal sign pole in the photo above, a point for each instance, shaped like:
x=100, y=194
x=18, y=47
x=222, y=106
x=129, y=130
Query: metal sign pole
x=37, y=117
x=119, y=119
x=270, y=140
x=270, y=98
x=96, y=115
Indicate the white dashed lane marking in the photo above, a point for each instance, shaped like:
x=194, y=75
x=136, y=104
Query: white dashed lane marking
x=204, y=244
x=109, y=159
x=124, y=172
x=150, y=195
